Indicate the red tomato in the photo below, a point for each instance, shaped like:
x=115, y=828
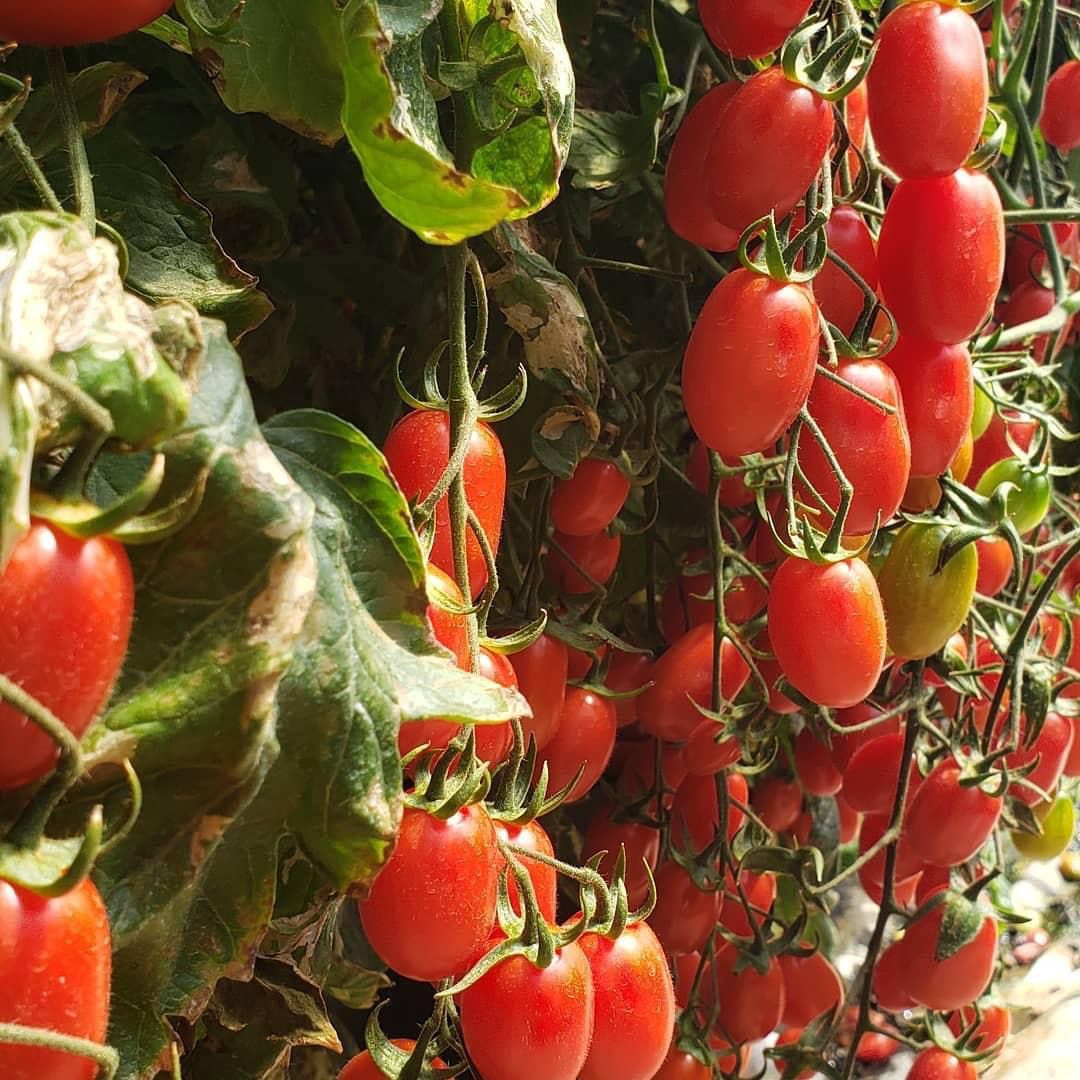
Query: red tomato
x=928, y=89
x=679, y=1065
x=993, y=446
x=873, y=1046
x=642, y=845
x=946, y=984
x=682, y=605
x=837, y=669
x=55, y=965
x=432, y=906
x=751, y=1003
x=76, y=22
x=939, y=397
x=638, y=774
x=596, y=554
x=590, y=500
x=626, y=672
x=760, y=892
x=750, y=30
x=990, y=1034
x=541, y=671
x=684, y=916
x=418, y=450
x=585, y=736
x=548, y=1030
x=635, y=1005
x=788, y=1038
x=904, y=890
x=362, y=1067
x=1025, y=259
x=67, y=607
x=544, y=878
x=733, y=490
x=777, y=802
x=871, y=446
x=814, y=764
x=840, y=299
x=1049, y=751
x=872, y=774
x=771, y=673
x=578, y=662
x=811, y=987
x=449, y=627
x=970, y=812
x=686, y=196
x=696, y=810
x=941, y=255
x=908, y=864
x=936, y=1064
x=850, y=821
x=1059, y=122
x=932, y=880
x=683, y=676
x=705, y=753
x=1072, y=760
x=750, y=362
x=767, y=148
x=845, y=746
x=995, y=565
x=889, y=992
x=1028, y=302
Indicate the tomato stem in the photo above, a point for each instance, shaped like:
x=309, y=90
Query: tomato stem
x=71, y=123
x=106, y=1058
x=25, y=157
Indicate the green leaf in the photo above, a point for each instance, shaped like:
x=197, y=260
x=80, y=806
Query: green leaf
x=611, y=147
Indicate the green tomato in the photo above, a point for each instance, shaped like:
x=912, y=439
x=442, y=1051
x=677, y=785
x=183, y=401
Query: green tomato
x=925, y=607
x=1027, y=506
x=982, y=414
x=1058, y=820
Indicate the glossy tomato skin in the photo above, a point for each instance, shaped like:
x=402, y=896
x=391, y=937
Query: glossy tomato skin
x=684, y=916
x=362, y=1067
x=840, y=299
x=760, y=892
x=994, y=444
x=937, y=1064
x=590, y=499
x=585, y=736
x=748, y=31
x=628, y=672
x=888, y=978
x=751, y=1003
x=679, y=1065
x=696, y=809
x=1060, y=122
x=635, y=1005
x=544, y=878
x=548, y=1029
x=449, y=627
x=778, y=802
x=1030, y=503
x=417, y=451
x=814, y=764
x=872, y=774
x=971, y=813
x=1026, y=259
x=431, y=908
x=992, y=1031
x=750, y=362
x=1049, y=753
x=1072, y=759
x=67, y=610
x=827, y=629
x=872, y=446
x=640, y=842
x=55, y=965
x=812, y=986
x=941, y=255
x=597, y=554
x=76, y=22
x=541, y=671
x=769, y=147
x=928, y=89
x=995, y=565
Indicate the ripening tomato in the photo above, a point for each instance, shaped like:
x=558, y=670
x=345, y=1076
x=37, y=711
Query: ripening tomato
x=888, y=989
x=760, y=893
x=67, y=609
x=989, y=1034
x=76, y=22
x=590, y=500
x=778, y=802
x=994, y=444
x=362, y=1067
x=628, y=672
x=544, y=878
x=418, y=451
x=548, y=1030
x=750, y=362
x=970, y=812
x=1048, y=753
x=941, y=255
x=928, y=89
x=812, y=986
x=814, y=764
x=431, y=907
x=597, y=555
x=871, y=446
x=827, y=629
x=449, y=627
x=585, y=736
x=55, y=965
x=748, y=31
x=1059, y=122
x=733, y=490
x=640, y=842
x=995, y=565
x=767, y=148
x=684, y=915
x=695, y=811
x=541, y=671
x=840, y=299
x=1030, y=502
x=1057, y=822
x=872, y=774
x=635, y=1004
x=751, y=1002
x=936, y=1064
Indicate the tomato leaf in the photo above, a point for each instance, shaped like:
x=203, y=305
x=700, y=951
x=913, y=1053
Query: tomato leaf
x=612, y=147
x=960, y=925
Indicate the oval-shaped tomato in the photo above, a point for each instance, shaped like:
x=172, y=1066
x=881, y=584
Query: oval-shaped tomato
x=417, y=451
x=751, y=1002
x=590, y=500
x=812, y=986
x=767, y=149
x=827, y=629
x=541, y=671
x=585, y=736
x=994, y=444
x=431, y=907
x=55, y=965
x=970, y=812
x=544, y=878
x=597, y=555
x=760, y=893
x=871, y=446
x=679, y=1065
x=1028, y=302
x=778, y=802
x=628, y=672
x=748, y=31
x=707, y=751
x=925, y=605
x=840, y=299
x=844, y=746
x=640, y=842
x=1059, y=121
x=888, y=989
x=687, y=601
x=908, y=864
x=928, y=89
x=872, y=774
x=635, y=1005
x=995, y=565
x=788, y=1038
x=1030, y=503
x=990, y=1033
x=546, y=1033
x=1026, y=259
x=362, y=1067
x=695, y=810
x=67, y=609
x=936, y=1064
x=1048, y=753
x=76, y=22
x=814, y=764
x=750, y=362
x=449, y=627
x=941, y=255
x=684, y=915
x=1072, y=759
x=1057, y=820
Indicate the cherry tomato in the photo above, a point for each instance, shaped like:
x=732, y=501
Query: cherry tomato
x=585, y=736
x=941, y=255
x=1059, y=121
x=1057, y=820
x=76, y=22
x=760, y=893
x=751, y=1003
x=872, y=774
x=936, y=1064
x=1072, y=759
x=67, y=608
x=907, y=865
x=771, y=673
x=777, y=802
x=638, y=774
x=1030, y=503
x=597, y=555
x=845, y=746
x=1048, y=753
x=682, y=605
x=748, y=31
x=679, y=1065
x=707, y=751
x=544, y=878
x=971, y=813
x=928, y=89
x=904, y=889
x=767, y=149
x=990, y=1033
x=696, y=810
x=432, y=906
x=750, y=362
x=418, y=450
x=814, y=764
x=541, y=671
x=641, y=843
x=635, y=1005
x=733, y=490
x=1026, y=259
x=873, y=1046
x=871, y=446
x=788, y=1038
x=827, y=629
x=449, y=627
x=888, y=989
x=362, y=1067
x=993, y=446
x=933, y=879
x=626, y=672
x=546, y=1033
x=840, y=299
x=590, y=500
x=684, y=916
x=850, y=821
x=995, y=565
x=55, y=965
x=1028, y=302
x=811, y=987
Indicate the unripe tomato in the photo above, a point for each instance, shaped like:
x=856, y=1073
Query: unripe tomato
x=1030, y=503
x=541, y=671
x=76, y=22
x=750, y=362
x=840, y=299
x=1058, y=822
x=936, y=1064
x=590, y=500
x=748, y=31
x=597, y=554
x=814, y=764
x=812, y=986
x=970, y=812
x=684, y=916
x=1060, y=122
x=995, y=565
x=751, y=1002
x=585, y=736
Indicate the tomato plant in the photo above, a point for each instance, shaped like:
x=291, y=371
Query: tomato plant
x=585, y=736
x=751, y=1002
x=942, y=793
x=590, y=500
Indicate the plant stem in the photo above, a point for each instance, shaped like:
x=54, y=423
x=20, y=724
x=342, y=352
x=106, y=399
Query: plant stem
x=24, y=156
x=73, y=136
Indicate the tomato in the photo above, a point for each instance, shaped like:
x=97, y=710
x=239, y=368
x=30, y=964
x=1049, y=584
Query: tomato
x=970, y=812
x=827, y=629
x=995, y=565
x=750, y=362
x=811, y=987
x=872, y=774
x=788, y=1038
x=760, y=892
x=1048, y=752
x=767, y=148
x=696, y=811
x=585, y=736
x=904, y=889
x=907, y=865
x=993, y=446
x=850, y=821
x=76, y=22
x=777, y=802
x=683, y=606
x=1027, y=506
x=544, y=878
x=751, y=1003
x=546, y=1033
x=733, y=490
x=635, y=1005
x=597, y=555
x=67, y=609
x=362, y=1067
x=642, y=845
x=1028, y=302
x=541, y=671
x=748, y=31
x=679, y=1065
x=686, y=197
x=449, y=627
x=991, y=1032
x=628, y=671
x=936, y=1064
x=840, y=299
x=845, y=746
x=1059, y=121
x=417, y=452
x=706, y=752
x=814, y=764
x=1072, y=759
x=934, y=879
x=638, y=773
x=873, y=1046
x=1026, y=259
x=928, y=89
x=938, y=395
x=431, y=907
x=771, y=673
x=683, y=676
x=579, y=662
x=941, y=255
x=684, y=916
x=590, y=500
x=872, y=446
x=1057, y=819
x=55, y=966
x=889, y=992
